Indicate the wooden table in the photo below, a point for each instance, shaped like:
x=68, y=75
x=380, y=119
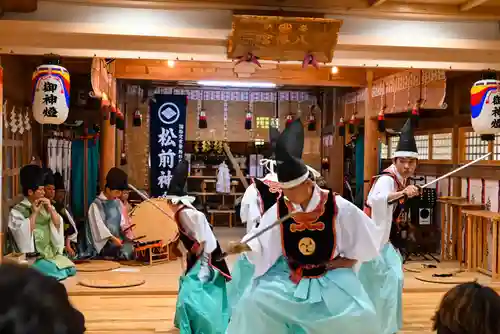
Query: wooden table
x=446, y=222
x=212, y=214
x=478, y=223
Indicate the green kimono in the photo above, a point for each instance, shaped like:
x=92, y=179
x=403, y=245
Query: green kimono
x=45, y=239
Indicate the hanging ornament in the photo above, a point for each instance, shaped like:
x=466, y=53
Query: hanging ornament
x=120, y=120
x=381, y=116
x=105, y=107
x=485, y=108
x=325, y=163
x=137, y=119
x=248, y=120
x=112, y=115
x=5, y=115
x=310, y=59
x=352, y=124
x=341, y=127
x=20, y=123
x=27, y=121
x=51, y=85
x=381, y=121
x=202, y=120
x=13, y=120
x=311, y=120
x=248, y=58
x=415, y=115
x=226, y=115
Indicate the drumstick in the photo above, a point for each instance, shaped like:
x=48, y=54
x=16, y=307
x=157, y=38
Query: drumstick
x=138, y=238
x=147, y=199
x=128, y=228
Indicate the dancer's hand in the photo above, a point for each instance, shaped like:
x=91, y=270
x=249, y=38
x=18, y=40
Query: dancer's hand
x=238, y=247
x=116, y=241
x=69, y=249
x=411, y=191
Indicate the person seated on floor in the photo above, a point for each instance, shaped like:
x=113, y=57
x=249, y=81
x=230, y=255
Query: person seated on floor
x=202, y=305
x=105, y=237
x=468, y=308
x=32, y=303
x=56, y=193
x=127, y=220
x=37, y=227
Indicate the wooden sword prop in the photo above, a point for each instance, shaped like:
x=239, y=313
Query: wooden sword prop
x=445, y=175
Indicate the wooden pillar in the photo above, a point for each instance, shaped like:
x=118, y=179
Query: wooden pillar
x=2, y=222
x=456, y=186
x=336, y=152
x=371, y=135
x=108, y=148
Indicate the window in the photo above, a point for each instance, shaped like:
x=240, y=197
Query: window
x=393, y=143
x=384, y=151
x=442, y=146
x=262, y=122
x=496, y=147
x=474, y=146
x=422, y=142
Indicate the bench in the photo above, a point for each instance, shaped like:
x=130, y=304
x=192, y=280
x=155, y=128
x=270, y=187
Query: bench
x=212, y=214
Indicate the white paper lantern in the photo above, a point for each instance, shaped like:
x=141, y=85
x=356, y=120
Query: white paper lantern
x=485, y=108
x=51, y=86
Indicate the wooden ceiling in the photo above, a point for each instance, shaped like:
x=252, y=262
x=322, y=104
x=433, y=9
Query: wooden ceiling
x=18, y=6
x=423, y=9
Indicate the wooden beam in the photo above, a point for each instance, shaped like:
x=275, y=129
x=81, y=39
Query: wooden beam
x=284, y=74
x=472, y=4
x=387, y=9
x=376, y=3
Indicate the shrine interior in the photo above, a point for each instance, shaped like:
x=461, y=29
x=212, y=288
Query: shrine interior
x=153, y=83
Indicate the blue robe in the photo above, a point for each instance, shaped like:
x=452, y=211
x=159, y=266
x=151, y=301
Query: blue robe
x=333, y=303
x=242, y=274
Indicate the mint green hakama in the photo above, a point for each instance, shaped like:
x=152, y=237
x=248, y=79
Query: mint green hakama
x=333, y=303
x=202, y=307
x=49, y=268
x=242, y=275
x=383, y=279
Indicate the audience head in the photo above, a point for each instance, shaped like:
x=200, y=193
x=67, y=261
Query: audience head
x=468, y=308
x=32, y=303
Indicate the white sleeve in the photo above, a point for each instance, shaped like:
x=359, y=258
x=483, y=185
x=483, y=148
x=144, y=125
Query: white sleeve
x=266, y=249
x=250, y=207
x=74, y=236
x=378, y=201
x=21, y=231
x=57, y=234
x=196, y=224
x=100, y=232
x=358, y=237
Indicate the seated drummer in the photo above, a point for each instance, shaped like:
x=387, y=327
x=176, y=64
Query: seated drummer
x=56, y=193
x=202, y=301
x=37, y=227
x=105, y=237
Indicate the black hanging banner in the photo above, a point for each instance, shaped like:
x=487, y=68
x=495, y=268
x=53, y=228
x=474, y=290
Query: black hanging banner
x=167, y=135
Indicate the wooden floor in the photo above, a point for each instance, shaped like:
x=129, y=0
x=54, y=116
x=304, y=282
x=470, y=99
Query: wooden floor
x=150, y=308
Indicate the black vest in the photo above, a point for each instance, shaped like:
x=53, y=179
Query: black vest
x=192, y=246
x=307, y=245
x=268, y=196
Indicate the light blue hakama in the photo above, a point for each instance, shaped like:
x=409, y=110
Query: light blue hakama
x=202, y=307
x=49, y=268
x=382, y=279
x=333, y=303
x=242, y=275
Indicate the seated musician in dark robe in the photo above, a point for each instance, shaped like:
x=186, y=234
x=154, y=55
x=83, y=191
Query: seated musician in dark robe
x=104, y=233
